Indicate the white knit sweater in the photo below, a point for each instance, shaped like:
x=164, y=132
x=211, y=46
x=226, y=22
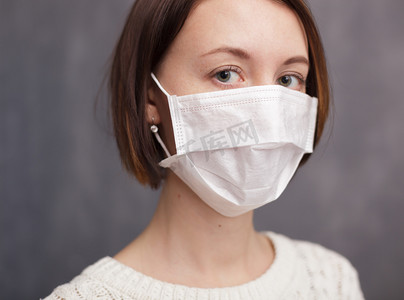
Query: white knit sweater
x=300, y=270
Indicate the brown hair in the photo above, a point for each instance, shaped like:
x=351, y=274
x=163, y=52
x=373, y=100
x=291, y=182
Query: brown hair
x=151, y=27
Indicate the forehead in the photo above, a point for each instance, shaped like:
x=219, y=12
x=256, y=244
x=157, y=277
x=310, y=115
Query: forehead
x=265, y=28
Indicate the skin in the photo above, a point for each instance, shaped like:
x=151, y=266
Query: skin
x=223, y=44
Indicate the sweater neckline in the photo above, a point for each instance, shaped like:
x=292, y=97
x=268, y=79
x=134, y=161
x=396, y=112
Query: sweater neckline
x=272, y=283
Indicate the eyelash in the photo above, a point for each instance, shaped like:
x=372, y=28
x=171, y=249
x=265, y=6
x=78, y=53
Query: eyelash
x=236, y=69
x=297, y=75
x=221, y=69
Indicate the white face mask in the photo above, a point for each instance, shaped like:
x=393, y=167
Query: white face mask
x=238, y=149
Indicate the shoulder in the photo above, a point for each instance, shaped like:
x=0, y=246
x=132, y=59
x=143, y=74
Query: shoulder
x=316, y=254
x=326, y=270
x=87, y=285
x=312, y=254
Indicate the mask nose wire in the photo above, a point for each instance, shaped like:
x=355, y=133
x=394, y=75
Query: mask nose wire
x=154, y=128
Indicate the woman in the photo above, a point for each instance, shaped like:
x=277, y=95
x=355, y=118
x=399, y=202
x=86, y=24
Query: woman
x=219, y=101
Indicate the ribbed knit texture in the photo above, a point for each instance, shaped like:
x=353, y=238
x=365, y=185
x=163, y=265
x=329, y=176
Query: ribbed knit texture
x=300, y=270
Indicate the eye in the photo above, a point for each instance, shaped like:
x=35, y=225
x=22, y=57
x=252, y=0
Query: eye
x=291, y=81
x=227, y=76
x=223, y=76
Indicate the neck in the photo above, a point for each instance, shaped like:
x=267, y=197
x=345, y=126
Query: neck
x=190, y=223
x=189, y=236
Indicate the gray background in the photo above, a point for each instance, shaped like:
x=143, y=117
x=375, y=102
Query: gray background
x=66, y=202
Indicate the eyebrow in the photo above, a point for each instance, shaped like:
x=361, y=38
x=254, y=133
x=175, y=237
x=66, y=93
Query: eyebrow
x=234, y=51
x=296, y=59
x=245, y=55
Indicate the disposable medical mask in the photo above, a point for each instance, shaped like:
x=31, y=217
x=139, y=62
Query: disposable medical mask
x=237, y=149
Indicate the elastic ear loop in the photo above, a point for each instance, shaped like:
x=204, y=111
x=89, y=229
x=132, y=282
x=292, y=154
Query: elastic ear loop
x=154, y=128
x=159, y=85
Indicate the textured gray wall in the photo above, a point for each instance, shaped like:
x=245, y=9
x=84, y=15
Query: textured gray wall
x=65, y=201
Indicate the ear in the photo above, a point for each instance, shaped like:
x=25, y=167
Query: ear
x=152, y=113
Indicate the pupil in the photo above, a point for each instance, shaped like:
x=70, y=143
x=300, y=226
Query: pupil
x=224, y=75
x=285, y=80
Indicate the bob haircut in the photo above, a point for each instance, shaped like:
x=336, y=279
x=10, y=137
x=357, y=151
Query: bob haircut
x=150, y=28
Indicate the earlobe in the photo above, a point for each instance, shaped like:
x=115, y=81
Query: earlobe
x=152, y=114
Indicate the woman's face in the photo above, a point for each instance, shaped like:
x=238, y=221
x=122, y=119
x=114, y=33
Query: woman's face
x=233, y=44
